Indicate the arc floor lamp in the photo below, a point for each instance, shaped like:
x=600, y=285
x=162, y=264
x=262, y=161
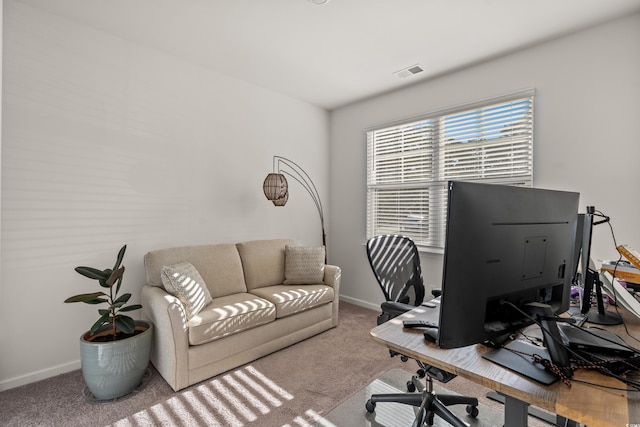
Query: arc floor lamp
x=276, y=187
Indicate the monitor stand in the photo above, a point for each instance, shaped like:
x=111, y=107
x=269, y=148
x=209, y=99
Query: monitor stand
x=554, y=351
x=522, y=363
x=599, y=316
x=590, y=276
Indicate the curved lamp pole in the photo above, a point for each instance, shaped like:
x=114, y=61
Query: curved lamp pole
x=276, y=187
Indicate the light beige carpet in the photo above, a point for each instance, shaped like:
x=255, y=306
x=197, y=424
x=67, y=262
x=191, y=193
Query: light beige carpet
x=294, y=387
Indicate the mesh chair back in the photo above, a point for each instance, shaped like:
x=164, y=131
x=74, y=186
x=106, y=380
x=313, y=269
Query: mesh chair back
x=395, y=263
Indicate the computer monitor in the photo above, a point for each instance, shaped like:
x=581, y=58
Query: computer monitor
x=508, y=250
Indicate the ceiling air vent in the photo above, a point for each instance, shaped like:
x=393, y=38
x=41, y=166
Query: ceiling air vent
x=409, y=71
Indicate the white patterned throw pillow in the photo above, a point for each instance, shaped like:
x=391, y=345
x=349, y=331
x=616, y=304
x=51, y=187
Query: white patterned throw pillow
x=303, y=265
x=184, y=282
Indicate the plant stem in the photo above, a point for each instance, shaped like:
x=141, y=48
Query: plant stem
x=113, y=312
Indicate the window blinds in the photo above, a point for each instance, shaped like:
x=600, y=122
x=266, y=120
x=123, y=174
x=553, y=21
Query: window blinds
x=409, y=164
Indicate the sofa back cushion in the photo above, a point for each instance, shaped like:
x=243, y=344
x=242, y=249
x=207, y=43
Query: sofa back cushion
x=219, y=265
x=263, y=262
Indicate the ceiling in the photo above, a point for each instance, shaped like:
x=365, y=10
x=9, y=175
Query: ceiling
x=345, y=50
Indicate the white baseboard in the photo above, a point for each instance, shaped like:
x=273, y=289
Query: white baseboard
x=72, y=366
x=361, y=303
x=39, y=375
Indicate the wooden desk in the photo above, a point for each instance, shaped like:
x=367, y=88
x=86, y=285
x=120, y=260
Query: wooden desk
x=583, y=403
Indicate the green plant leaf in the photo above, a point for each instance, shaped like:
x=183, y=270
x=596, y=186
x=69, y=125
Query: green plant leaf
x=91, y=273
x=96, y=301
x=119, y=284
x=120, y=257
x=123, y=298
x=101, y=321
x=126, y=324
x=108, y=278
x=85, y=297
x=116, y=275
x=131, y=307
x=103, y=281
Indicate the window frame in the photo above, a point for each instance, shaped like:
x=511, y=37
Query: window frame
x=428, y=227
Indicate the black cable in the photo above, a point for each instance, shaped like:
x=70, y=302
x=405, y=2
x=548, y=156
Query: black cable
x=615, y=268
x=548, y=333
x=635, y=384
x=625, y=380
x=537, y=341
x=608, y=387
x=579, y=357
x=608, y=221
x=583, y=329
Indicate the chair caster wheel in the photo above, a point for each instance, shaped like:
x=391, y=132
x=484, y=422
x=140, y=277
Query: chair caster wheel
x=472, y=411
x=370, y=406
x=411, y=387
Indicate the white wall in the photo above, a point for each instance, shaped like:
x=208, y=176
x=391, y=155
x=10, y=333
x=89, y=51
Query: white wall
x=106, y=142
x=587, y=108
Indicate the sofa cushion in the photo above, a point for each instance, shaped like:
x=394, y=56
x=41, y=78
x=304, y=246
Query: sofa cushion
x=229, y=315
x=303, y=265
x=290, y=299
x=219, y=265
x=263, y=262
x=184, y=282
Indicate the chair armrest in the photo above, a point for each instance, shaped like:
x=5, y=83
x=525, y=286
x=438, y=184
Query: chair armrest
x=395, y=308
x=170, y=346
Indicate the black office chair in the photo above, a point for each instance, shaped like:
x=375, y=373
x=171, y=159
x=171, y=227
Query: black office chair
x=395, y=263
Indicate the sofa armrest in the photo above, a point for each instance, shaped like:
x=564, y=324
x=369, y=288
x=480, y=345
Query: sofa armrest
x=171, y=337
x=332, y=275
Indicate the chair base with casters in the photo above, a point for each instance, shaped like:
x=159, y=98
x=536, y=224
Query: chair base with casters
x=428, y=402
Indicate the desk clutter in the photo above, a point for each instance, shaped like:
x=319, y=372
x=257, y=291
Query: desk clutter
x=512, y=256
x=588, y=348
x=621, y=279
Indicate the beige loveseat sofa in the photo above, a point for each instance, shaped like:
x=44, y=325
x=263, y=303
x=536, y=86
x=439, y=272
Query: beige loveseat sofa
x=257, y=305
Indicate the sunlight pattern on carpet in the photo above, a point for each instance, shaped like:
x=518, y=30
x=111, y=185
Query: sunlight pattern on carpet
x=233, y=400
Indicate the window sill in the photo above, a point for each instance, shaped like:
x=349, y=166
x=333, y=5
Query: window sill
x=430, y=250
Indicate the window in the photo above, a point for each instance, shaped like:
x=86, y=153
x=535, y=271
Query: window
x=409, y=164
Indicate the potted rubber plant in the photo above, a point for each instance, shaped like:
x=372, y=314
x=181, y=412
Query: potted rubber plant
x=114, y=352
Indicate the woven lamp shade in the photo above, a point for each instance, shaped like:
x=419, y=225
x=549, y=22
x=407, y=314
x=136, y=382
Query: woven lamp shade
x=282, y=200
x=275, y=187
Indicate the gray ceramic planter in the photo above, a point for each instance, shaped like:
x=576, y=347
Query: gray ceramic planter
x=114, y=369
